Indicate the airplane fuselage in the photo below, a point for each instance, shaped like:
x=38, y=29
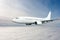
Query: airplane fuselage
x=32, y=20
x=27, y=19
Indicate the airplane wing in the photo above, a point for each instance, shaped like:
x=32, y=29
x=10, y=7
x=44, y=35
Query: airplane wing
x=46, y=21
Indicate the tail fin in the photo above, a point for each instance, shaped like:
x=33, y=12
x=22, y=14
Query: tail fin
x=49, y=16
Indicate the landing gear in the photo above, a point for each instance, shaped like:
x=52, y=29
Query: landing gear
x=28, y=24
x=31, y=23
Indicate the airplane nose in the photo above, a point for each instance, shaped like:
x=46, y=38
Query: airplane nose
x=13, y=19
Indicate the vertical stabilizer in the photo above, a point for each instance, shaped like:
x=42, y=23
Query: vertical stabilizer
x=49, y=16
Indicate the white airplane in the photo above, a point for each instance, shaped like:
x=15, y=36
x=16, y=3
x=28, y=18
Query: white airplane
x=33, y=20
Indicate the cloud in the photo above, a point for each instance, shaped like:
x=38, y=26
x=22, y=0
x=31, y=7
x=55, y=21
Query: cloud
x=30, y=33
x=10, y=8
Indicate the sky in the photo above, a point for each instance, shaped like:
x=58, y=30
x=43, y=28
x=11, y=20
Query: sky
x=35, y=8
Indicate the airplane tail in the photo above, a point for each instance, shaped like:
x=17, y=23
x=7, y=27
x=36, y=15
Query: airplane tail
x=49, y=16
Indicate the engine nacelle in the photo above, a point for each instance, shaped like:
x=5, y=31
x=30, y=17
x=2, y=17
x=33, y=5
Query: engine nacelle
x=38, y=22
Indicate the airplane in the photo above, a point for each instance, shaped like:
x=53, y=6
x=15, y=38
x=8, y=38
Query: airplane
x=32, y=20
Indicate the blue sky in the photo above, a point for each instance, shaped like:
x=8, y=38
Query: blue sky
x=54, y=6
x=40, y=8
x=35, y=8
